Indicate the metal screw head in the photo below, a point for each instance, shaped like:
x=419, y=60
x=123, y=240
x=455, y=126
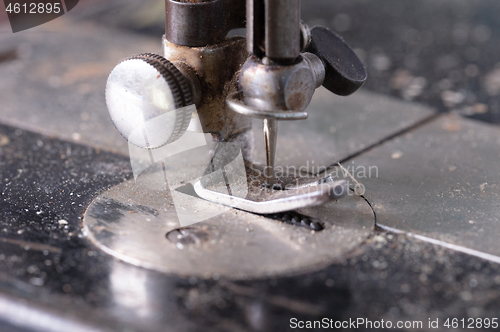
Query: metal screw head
x=187, y=236
x=145, y=95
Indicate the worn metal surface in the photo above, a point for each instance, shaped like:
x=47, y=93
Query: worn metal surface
x=202, y=22
x=338, y=127
x=440, y=181
x=215, y=66
x=49, y=270
x=61, y=69
x=282, y=29
x=131, y=222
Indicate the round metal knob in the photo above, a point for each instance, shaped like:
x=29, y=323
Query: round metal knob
x=146, y=97
x=345, y=72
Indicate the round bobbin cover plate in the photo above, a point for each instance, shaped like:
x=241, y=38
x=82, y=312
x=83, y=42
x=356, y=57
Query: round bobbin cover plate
x=138, y=224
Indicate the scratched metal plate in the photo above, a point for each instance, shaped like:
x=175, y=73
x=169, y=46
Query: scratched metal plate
x=338, y=127
x=440, y=182
x=131, y=222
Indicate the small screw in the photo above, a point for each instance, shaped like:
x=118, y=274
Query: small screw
x=187, y=236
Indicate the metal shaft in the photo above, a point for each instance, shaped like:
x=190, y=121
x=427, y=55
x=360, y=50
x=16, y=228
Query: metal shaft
x=273, y=29
x=282, y=29
x=270, y=138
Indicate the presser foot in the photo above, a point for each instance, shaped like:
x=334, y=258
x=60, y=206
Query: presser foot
x=287, y=192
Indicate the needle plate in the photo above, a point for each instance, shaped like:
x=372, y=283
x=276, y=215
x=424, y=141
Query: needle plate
x=138, y=224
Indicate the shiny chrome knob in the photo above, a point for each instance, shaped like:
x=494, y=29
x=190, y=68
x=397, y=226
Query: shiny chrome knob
x=146, y=96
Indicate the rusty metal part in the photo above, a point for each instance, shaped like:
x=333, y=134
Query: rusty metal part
x=440, y=183
x=345, y=72
x=215, y=67
x=202, y=22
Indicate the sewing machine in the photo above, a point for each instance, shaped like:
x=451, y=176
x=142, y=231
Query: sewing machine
x=210, y=84
x=270, y=75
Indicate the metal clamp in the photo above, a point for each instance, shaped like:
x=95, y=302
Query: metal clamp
x=236, y=104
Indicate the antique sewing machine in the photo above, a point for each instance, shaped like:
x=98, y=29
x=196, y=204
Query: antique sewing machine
x=210, y=84
x=270, y=75
x=186, y=208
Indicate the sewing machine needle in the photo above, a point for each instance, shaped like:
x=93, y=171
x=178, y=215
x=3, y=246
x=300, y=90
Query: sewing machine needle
x=270, y=137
